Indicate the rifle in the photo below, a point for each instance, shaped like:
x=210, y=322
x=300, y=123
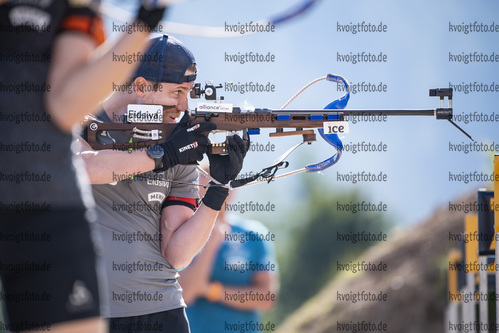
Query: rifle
x=329, y=121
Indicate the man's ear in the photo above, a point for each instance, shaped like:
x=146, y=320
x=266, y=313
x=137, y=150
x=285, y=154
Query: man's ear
x=140, y=85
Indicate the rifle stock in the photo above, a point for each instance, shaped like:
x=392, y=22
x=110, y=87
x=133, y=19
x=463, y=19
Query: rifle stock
x=229, y=122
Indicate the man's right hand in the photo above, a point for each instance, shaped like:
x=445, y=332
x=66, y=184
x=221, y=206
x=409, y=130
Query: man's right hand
x=224, y=169
x=187, y=144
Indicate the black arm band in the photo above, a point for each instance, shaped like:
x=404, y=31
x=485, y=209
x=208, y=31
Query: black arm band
x=215, y=197
x=167, y=203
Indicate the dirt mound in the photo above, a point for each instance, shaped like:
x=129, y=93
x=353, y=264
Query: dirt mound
x=412, y=289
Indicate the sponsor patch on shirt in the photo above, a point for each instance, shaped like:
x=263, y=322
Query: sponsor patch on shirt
x=156, y=196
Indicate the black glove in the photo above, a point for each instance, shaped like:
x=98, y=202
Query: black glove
x=224, y=168
x=150, y=16
x=187, y=144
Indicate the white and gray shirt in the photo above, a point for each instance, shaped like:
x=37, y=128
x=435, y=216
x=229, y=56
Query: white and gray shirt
x=140, y=280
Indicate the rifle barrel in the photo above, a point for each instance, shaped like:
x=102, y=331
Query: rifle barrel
x=391, y=112
x=368, y=112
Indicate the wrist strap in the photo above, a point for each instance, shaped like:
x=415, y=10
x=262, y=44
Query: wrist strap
x=215, y=196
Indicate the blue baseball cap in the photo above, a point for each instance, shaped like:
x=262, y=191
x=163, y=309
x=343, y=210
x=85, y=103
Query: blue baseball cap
x=166, y=61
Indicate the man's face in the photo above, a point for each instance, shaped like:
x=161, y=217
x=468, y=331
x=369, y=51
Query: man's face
x=172, y=96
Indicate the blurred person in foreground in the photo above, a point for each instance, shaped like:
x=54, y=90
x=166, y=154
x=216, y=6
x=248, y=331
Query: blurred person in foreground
x=55, y=68
x=147, y=199
x=233, y=278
